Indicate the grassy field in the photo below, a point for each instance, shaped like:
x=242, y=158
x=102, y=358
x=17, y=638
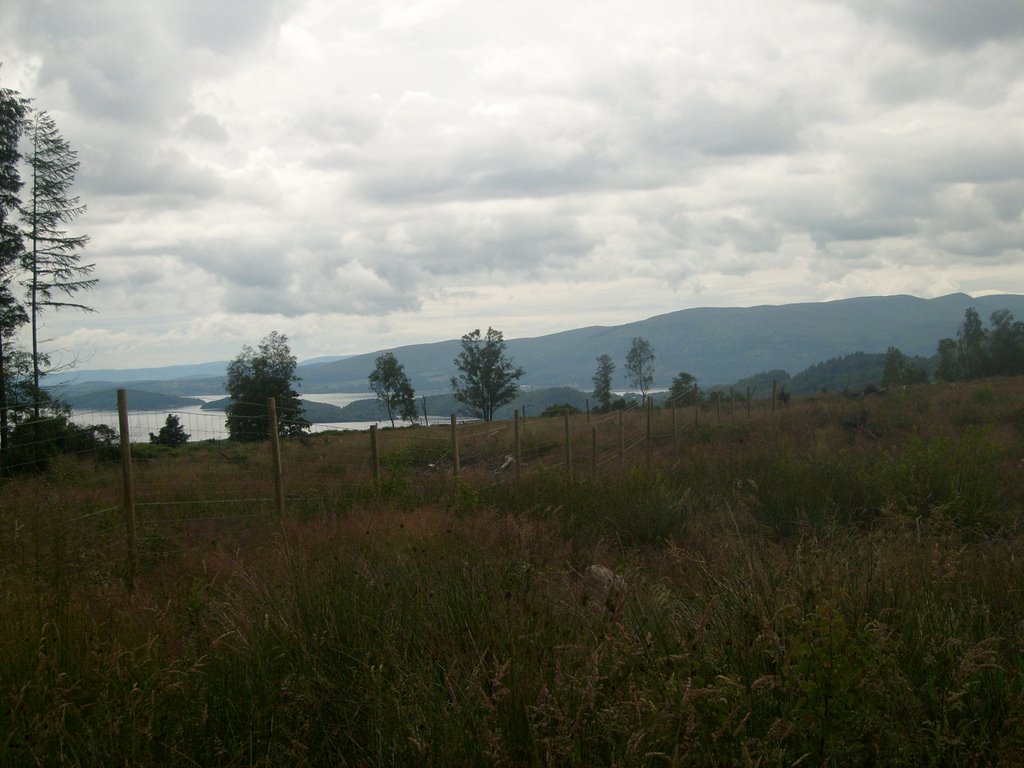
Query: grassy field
x=836, y=583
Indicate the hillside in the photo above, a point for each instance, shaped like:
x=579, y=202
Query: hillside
x=719, y=346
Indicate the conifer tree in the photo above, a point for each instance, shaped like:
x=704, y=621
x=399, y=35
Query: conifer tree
x=52, y=261
x=13, y=112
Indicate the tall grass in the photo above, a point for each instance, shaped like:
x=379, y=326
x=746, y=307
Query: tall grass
x=811, y=588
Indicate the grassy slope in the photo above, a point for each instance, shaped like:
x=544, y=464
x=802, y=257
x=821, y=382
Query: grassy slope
x=824, y=584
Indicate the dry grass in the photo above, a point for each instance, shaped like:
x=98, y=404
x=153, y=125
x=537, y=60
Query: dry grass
x=815, y=586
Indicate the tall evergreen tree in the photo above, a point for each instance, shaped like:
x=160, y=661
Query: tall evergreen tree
x=52, y=262
x=13, y=112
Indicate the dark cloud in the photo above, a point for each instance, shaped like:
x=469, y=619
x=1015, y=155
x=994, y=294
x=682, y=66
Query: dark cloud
x=947, y=23
x=156, y=177
x=226, y=26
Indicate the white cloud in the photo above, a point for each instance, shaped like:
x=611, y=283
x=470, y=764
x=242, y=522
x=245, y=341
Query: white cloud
x=367, y=175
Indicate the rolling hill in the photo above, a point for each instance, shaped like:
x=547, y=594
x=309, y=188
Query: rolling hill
x=717, y=345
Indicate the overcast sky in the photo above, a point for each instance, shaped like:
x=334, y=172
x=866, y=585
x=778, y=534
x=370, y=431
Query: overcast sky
x=363, y=174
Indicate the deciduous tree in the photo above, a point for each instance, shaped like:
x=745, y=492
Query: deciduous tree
x=683, y=389
x=640, y=365
x=898, y=370
x=603, y=382
x=253, y=377
x=393, y=388
x=487, y=377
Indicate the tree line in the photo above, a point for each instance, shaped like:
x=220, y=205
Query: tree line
x=41, y=267
x=487, y=378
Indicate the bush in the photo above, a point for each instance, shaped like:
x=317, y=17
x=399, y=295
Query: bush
x=171, y=433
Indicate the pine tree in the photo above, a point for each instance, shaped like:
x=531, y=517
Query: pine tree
x=52, y=263
x=13, y=112
x=171, y=433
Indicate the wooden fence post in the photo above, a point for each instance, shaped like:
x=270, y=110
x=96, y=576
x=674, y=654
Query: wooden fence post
x=732, y=405
x=568, y=446
x=275, y=456
x=748, y=401
x=649, y=403
x=774, y=385
x=456, y=468
x=375, y=456
x=129, y=487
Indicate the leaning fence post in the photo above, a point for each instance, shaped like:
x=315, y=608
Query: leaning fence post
x=375, y=454
x=455, y=448
x=275, y=456
x=129, y=487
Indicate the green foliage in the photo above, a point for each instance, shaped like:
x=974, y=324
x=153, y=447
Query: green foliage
x=603, y=383
x=171, y=433
x=392, y=387
x=640, y=365
x=898, y=370
x=683, y=390
x=36, y=443
x=254, y=376
x=978, y=352
x=760, y=385
x=462, y=498
x=787, y=592
x=13, y=112
x=854, y=372
x=487, y=378
x=52, y=262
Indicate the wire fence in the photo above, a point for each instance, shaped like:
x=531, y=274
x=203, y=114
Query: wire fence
x=115, y=500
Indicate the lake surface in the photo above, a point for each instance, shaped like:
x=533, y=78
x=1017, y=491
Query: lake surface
x=209, y=425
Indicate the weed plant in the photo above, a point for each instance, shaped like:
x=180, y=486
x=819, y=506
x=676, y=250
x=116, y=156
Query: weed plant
x=835, y=583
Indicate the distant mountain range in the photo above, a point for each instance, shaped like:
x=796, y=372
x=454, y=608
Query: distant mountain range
x=719, y=346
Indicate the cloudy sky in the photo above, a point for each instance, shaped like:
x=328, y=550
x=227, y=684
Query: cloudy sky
x=364, y=174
